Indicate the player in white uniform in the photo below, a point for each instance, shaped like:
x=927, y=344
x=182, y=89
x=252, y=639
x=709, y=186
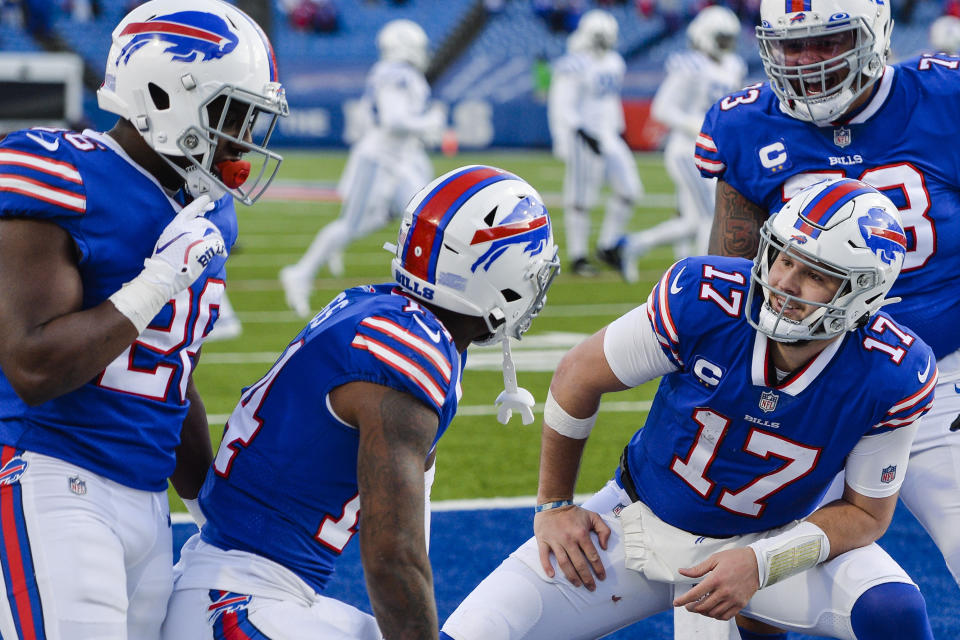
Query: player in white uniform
x=112, y=258
x=387, y=166
x=334, y=439
x=945, y=35
x=586, y=121
x=695, y=79
x=763, y=397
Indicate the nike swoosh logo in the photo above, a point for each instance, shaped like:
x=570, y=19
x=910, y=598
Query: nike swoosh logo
x=673, y=285
x=167, y=244
x=434, y=335
x=49, y=146
x=922, y=377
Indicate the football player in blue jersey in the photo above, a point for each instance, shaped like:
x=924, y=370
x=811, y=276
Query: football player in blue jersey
x=763, y=400
x=112, y=251
x=834, y=107
x=339, y=436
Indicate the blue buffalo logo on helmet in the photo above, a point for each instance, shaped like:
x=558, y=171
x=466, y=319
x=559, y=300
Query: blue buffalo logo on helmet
x=528, y=224
x=883, y=234
x=189, y=34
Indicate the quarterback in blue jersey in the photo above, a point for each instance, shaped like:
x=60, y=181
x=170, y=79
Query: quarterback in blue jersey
x=762, y=401
x=834, y=108
x=339, y=436
x=112, y=253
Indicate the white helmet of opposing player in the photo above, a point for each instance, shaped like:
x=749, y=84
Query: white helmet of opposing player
x=841, y=228
x=599, y=30
x=404, y=41
x=189, y=74
x=945, y=35
x=845, y=41
x=714, y=31
x=479, y=241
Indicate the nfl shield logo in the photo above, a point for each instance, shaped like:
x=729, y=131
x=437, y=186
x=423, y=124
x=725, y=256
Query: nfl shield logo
x=78, y=486
x=768, y=401
x=842, y=137
x=888, y=474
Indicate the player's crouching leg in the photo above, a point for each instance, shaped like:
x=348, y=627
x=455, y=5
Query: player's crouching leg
x=848, y=597
x=227, y=594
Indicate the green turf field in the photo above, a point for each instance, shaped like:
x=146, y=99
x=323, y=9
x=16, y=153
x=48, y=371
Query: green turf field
x=478, y=457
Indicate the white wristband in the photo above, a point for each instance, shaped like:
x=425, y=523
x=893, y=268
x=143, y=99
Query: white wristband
x=795, y=550
x=193, y=507
x=140, y=300
x=564, y=423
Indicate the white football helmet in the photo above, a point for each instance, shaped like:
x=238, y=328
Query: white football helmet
x=184, y=71
x=478, y=241
x=714, y=31
x=945, y=35
x=842, y=228
x=404, y=41
x=599, y=30
x=820, y=92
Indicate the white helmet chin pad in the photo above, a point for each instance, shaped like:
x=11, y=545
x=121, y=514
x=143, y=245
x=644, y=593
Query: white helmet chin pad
x=478, y=241
x=843, y=229
x=192, y=74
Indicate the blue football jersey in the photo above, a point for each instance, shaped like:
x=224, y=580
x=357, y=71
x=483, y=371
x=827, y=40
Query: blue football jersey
x=727, y=449
x=125, y=423
x=900, y=142
x=284, y=482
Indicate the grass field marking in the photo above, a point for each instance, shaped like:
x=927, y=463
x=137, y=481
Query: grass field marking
x=466, y=504
x=474, y=410
x=324, y=191
x=273, y=284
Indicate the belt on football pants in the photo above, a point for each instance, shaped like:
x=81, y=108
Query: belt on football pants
x=625, y=478
x=627, y=481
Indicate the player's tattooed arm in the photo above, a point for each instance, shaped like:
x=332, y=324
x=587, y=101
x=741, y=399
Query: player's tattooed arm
x=396, y=434
x=736, y=224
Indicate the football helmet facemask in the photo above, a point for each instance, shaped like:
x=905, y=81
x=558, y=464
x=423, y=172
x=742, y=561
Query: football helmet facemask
x=714, y=31
x=479, y=241
x=843, y=229
x=192, y=74
x=404, y=41
x=849, y=41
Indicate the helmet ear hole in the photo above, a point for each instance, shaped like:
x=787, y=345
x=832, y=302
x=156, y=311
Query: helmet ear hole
x=489, y=218
x=510, y=295
x=161, y=99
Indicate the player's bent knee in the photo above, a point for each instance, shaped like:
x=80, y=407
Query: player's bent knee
x=891, y=610
x=505, y=606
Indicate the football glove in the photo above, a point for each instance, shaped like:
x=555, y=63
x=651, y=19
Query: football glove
x=183, y=251
x=589, y=140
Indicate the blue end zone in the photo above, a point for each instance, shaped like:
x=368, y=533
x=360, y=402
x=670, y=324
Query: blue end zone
x=467, y=545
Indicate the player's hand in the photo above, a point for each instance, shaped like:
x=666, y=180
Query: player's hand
x=566, y=533
x=731, y=580
x=589, y=140
x=185, y=248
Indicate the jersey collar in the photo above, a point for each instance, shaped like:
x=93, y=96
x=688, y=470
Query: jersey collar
x=795, y=383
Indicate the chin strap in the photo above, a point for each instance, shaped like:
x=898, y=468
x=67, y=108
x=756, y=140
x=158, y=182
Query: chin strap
x=512, y=397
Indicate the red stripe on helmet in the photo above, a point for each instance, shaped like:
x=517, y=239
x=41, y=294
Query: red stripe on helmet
x=432, y=211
